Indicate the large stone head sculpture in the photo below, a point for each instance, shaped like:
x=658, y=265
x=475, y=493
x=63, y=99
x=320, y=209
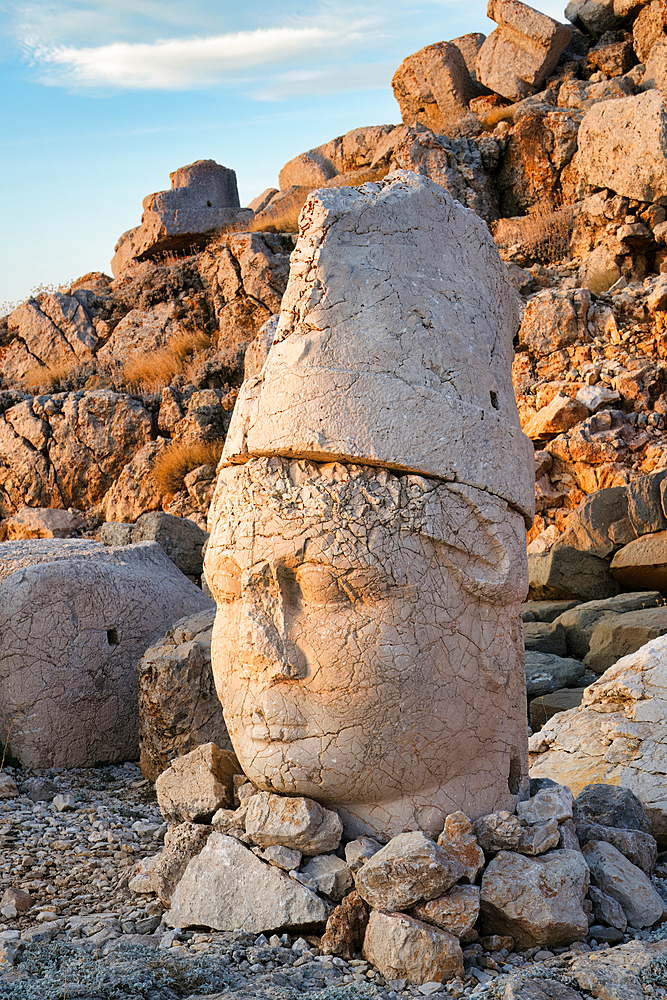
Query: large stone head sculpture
x=367, y=548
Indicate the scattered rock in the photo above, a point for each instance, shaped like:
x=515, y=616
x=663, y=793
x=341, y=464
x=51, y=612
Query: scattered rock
x=643, y=563
x=553, y=803
x=458, y=840
x=181, y=844
x=539, y=901
x=433, y=87
x=42, y=522
x=606, y=909
x=546, y=672
x=180, y=538
x=295, y=822
x=404, y=948
x=194, y=786
x=580, y=622
x=498, y=832
x=331, y=875
x=609, y=805
x=628, y=885
x=565, y=572
x=344, y=934
x=410, y=868
x=617, y=635
x=226, y=887
x=456, y=912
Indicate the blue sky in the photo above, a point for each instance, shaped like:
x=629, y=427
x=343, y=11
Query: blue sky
x=101, y=99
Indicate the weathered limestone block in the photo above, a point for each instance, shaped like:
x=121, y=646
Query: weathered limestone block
x=544, y=637
x=623, y=146
x=628, y=885
x=181, y=844
x=553, y=319
x=539, y=901
x=607, y=910
x=560, y=415
x=281, y=412
x=566, y=572
x=615, y=736
x=649, y=28
x=75, y=616
x=52, y=331
x=539, y=838
x=580, y=622
x=42, y=522
x=498, y=832
x=180, y=538
x=411, y=867
x=469, y=46
x=458, y=840
x=344, y=934
x=521, y=53
x=135, y=491
x=295, y=822
x=202, y=199
x=598, y=16
x=404, y=948
x=226, y=887
x=643, y=562
x=618, y=635
x=456, y=912
x=554, y=802
x=433, y=87
x=197, y=784
x=600, y=523
x=546, y=673
x=332, y=875
x=540, y=145
x=638, y=847
x=178, y=705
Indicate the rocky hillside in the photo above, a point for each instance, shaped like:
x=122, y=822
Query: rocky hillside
x=116, y=393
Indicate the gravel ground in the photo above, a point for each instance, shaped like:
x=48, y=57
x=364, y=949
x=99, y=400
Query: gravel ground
x=86, y=935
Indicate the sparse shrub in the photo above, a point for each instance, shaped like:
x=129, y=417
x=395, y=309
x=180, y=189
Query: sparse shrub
x=542, y=235
x=180, y=458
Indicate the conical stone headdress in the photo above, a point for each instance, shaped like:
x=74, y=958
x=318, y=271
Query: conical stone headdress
x=394, y=344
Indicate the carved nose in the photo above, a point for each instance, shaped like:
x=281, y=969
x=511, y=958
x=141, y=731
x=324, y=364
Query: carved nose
x=262, y=639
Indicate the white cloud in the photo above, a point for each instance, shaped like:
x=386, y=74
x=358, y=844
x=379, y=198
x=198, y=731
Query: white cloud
x=341, y=78
x=181, y=63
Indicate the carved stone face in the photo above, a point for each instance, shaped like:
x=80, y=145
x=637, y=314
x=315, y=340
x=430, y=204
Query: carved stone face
x=367, y=646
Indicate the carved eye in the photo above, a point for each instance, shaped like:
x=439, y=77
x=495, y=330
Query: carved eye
x=370, y=584
x=321, y=585
x=226, y=582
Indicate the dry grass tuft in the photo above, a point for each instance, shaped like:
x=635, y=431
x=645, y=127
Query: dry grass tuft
x=495, y=115
x=154, y=370
x=50, y=378
x=180, y=458
x=542, y=235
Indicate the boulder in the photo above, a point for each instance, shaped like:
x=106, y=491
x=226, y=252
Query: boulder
x=544, y=637
x=76, y=679
x=554, y=802
x=597, y=16
x=498, y=832
x=294, y=821
x=181, y=844
x=458, y=840
x=612, y=806
x=546, y=673
x=643, y=563
x=469, y=46
x=600, y=524
x=623, y=146
x=456, y=912
x=539, y=838
x=555, y=318
x=196, y=785
x=580, y=622
x=179, y=708
x=617, y=635
x=8, y=789
x=649, y=28
x=655, y=74
x=545, y=706
x=607, y=910
x=344, y=934
x=539, y=901
x=404, y=948
x=282, y=857
x=639, y=848
x=180, y=538
x=433, y=87
x=645, y=510
x=521, y=53
x=560, y=415
x=628, y=885
x=333, y=877
x=357, y=852
x=42, y=522
x=410, y=868
x=545, y=611
x=203, y=198
x=226, y=887
x=613, y=737
x=566, y=572
x=136, y=491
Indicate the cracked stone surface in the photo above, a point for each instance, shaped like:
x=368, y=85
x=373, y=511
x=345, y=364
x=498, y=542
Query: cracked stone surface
x=427, y=348
x=74, y=618
x=367, y=644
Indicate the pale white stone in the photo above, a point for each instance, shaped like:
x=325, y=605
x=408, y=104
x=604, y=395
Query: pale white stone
x=227, y=888
x=548, y=803
x=410, y=868
x=404, y=948
x=197, y=784
x=295, y=822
